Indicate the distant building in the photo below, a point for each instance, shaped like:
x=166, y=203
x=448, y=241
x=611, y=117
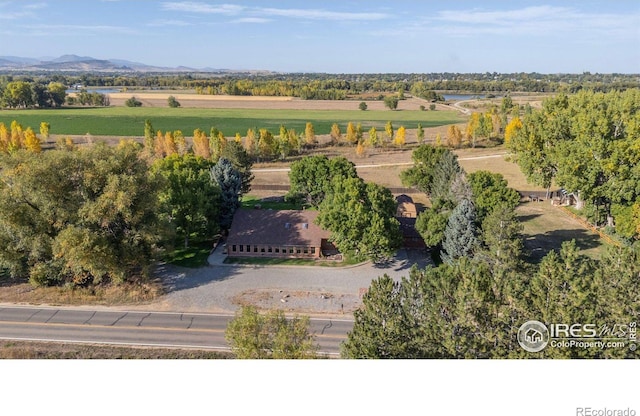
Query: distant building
x=406, y=214
x=406, y=208
x=270, y=233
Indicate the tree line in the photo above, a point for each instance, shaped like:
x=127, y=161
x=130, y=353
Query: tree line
x=86, y=215
x=586, y=143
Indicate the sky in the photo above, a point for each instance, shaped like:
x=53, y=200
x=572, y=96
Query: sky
x=346, y=36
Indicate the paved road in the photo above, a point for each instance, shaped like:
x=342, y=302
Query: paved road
x=157, y=329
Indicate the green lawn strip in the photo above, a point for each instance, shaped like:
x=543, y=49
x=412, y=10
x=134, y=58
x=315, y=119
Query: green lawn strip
x=270, y=261
x=250, y=202
x=126, y=121
x=194, y=256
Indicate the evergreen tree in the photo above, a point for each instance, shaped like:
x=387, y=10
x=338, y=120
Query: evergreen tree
x=229, y=180
x=460, y=238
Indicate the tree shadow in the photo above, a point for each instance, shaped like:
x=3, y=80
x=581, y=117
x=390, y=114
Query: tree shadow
x=539, y=245
x=175, y=279
x=529, y=217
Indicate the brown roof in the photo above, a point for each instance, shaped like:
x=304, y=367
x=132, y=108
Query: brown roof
x=269, y=227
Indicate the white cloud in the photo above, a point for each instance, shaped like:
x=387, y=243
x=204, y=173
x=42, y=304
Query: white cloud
x=74, y=30
x=266, y=12
x=17, y=12
x=167, y=22
x=251, y=20
x=195, y=7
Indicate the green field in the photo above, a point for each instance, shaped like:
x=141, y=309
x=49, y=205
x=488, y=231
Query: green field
x=126, y=121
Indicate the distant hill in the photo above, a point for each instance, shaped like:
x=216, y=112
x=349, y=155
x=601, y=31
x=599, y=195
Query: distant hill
x=75, y=63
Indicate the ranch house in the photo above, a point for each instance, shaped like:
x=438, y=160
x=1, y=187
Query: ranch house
x=277, y=233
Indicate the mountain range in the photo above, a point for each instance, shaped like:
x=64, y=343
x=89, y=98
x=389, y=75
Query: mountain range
x=75, y=63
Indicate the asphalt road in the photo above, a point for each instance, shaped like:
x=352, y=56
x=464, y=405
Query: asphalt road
x=156, y=329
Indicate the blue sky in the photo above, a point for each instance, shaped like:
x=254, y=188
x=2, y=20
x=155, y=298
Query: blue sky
x=334, y=36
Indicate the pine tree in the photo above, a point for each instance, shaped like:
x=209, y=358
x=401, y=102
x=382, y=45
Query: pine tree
x=229, y=180
x=460, y=235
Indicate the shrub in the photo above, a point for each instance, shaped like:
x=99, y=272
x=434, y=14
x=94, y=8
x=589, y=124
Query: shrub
x=133, y=102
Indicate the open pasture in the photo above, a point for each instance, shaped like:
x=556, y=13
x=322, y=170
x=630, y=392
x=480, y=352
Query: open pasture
x=126, y=121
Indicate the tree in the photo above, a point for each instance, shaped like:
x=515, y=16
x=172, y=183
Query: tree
x=420, y=175
x=149, y=135
x=450, y=311
x=172, y=102
x=310, y=177
x=388, y=128
x=79, y=218
x=309, y=134
x=190, y=200
x=133, y=102
x=360, y=149
x=44, y=130
x=502, y=237
x=266, y=144
x=362, y=106
x=373, y=137
x=420, y=133
x=336, y=135
x=400, y=137
x=431, y=224
x=460, y=235
x=454, y=136
x=361, y=219
x=250, y=143
x=391, y=102
x=229, y=180
x=241, y=161
x=31, y=141
x=352, y=137
x=201, y=144
x=489, y=191
x=512, y=129
x=18, y=94
x=256, y=336
x=57, y=93
x=217, y=143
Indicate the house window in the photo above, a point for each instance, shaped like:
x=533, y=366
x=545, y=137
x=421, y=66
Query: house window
x=233, y=248
x=270, y=250
x=313, y=250
x=255, y=249
x=298, y=250
x=248, y=248
x=261, y=249
x=277, y=249
x=306, y=250
x=290, y=250
x=241, y=248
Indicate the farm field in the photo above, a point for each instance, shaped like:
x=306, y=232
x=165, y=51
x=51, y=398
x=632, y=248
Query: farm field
x=126, y=121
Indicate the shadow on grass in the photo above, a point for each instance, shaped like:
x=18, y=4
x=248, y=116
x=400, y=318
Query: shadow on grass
x=539, y=245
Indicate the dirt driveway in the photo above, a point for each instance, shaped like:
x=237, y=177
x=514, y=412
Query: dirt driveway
x=294, y=289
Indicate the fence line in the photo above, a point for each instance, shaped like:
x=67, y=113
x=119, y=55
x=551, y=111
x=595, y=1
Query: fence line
x=591, y=227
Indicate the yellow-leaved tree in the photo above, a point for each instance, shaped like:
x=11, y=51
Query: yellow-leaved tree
x=512, y=129
x=31, y=141
x=201, y=144
x=400, y=137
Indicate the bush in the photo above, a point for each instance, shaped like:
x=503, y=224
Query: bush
x=173, y=103
x=133, y=102
x=432, y=107
x=362, y=106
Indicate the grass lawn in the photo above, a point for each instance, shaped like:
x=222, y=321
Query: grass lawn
x=127, y=121
x=194, y=256
x=250, y=201
x=547, y=227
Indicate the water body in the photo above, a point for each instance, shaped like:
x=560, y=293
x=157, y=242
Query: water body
x=100, y=90
x=460, y=97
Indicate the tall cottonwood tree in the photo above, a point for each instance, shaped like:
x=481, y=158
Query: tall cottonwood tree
x=79, y=217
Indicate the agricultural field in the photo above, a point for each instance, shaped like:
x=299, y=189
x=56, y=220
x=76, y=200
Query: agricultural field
x=129, y=121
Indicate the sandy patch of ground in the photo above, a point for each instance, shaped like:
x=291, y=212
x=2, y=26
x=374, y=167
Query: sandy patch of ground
x=299, y=301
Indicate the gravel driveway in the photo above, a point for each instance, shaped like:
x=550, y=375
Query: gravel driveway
x=296, y=289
